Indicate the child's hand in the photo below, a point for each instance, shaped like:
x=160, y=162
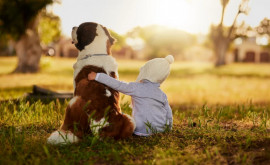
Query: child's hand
x=92, y=75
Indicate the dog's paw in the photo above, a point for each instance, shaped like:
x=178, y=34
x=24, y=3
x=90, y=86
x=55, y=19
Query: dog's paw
x=62, y=137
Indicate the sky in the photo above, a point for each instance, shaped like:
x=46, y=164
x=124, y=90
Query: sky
x=193, y=16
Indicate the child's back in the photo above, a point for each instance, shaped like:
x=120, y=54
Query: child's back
x=151, y=110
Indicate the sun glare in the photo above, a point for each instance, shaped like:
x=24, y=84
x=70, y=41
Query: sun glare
x=180, y=14
x=193, y=16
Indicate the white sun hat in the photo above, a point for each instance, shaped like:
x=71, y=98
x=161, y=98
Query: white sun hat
x=156, y=70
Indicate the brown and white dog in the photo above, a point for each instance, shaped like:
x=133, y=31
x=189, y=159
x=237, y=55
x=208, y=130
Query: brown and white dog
x=95, y=108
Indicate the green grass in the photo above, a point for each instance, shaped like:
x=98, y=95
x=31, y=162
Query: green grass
x=221, y=116
x=188, y=83
x=235, y=134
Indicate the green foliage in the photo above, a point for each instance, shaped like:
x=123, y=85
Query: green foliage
x=120, y=41
x=16, y=15
x=4, y=44
x=49, y=27
x=149, y=128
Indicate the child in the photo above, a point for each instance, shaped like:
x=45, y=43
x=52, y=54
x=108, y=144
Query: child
x=151, y=110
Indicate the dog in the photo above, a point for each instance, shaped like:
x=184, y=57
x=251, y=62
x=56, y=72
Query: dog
x=95, y=108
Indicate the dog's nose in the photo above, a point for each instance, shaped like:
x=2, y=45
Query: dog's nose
x=74, y=28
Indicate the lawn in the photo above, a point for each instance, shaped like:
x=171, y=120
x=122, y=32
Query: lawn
x=221, y=116
x=189, y=83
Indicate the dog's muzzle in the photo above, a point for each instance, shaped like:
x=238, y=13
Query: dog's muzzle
x=74, y=35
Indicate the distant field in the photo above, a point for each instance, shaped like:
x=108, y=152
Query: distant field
x=221, y=116
x=189, y=83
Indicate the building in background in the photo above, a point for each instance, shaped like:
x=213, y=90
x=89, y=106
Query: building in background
x=62, y=48
x=250, y=50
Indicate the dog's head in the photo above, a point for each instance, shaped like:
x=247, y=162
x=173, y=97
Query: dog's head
x=93, y=38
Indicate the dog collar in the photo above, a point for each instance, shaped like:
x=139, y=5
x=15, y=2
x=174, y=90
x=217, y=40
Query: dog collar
x=92, y=55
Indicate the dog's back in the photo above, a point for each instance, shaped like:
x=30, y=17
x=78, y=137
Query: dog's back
x=95, y=107
x=100, y=96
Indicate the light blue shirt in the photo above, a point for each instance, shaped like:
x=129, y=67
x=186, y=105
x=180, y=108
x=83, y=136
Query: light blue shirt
x=151, y=110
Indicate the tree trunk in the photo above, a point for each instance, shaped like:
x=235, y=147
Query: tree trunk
x=28, y=50
x=220, y=52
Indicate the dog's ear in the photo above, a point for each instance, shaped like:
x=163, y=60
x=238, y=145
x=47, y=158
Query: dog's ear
x=86, y=33
x=112, y=40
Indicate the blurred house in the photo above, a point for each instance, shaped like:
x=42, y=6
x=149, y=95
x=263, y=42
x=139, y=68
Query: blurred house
x=125, y=52
x=62, y=48
x=247, y=50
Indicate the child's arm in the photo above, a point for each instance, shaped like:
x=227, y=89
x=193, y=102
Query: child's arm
x=169, y=114
x=123, y=87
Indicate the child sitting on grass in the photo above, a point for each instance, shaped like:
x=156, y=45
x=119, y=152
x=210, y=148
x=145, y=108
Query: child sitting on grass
x=151, y=110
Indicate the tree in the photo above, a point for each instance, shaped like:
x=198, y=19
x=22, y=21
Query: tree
x=49, y=27
x=120, y=40
x=19, y=20
x=221, y=36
